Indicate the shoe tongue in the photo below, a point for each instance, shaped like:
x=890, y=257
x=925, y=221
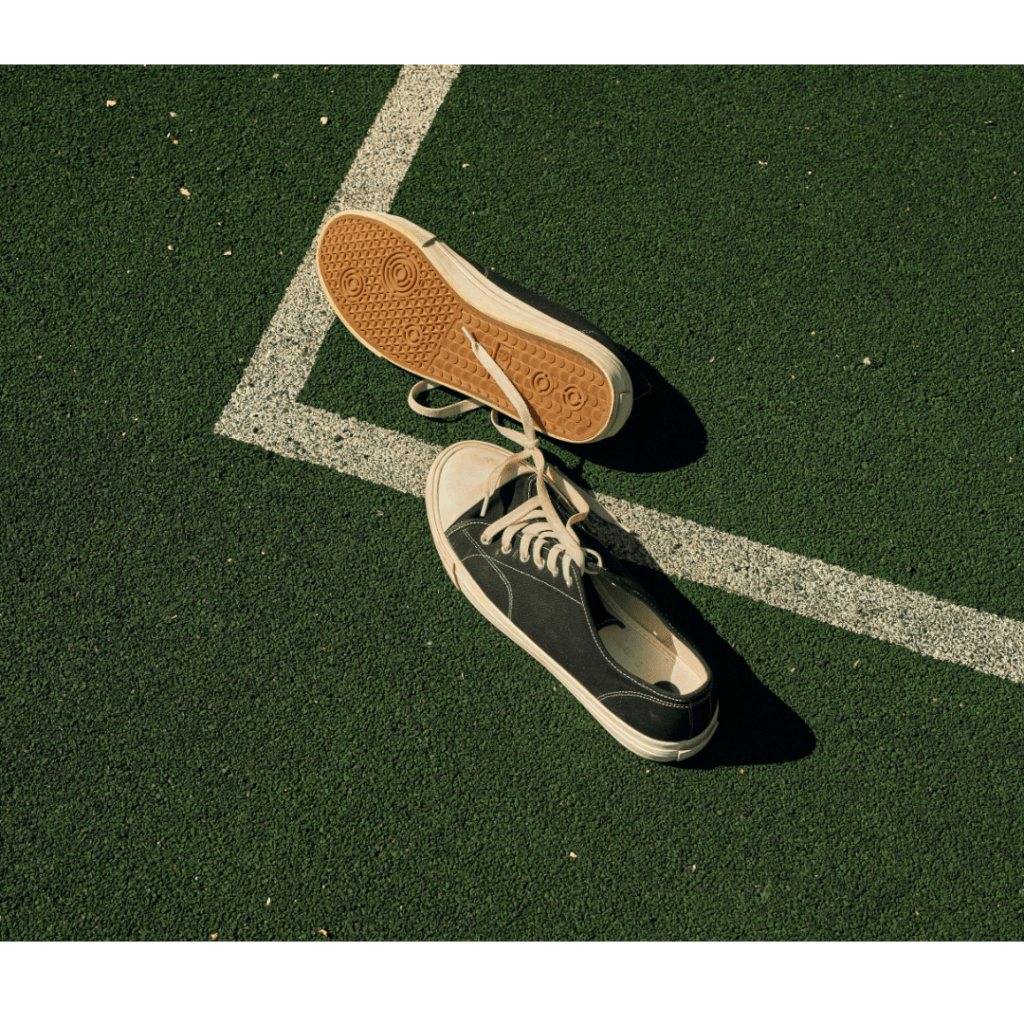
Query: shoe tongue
x=513, y=494
x=507, y=497
x=518, y=491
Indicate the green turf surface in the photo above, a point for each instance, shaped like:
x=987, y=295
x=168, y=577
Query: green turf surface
x=229, y=677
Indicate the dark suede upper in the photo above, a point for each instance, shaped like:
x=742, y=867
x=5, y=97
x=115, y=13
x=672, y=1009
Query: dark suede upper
x=563, y=619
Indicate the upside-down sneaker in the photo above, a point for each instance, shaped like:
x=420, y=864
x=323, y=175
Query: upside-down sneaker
x=508, y=528
x=407, y=296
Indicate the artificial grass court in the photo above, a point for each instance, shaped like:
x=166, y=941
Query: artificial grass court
x=240, y=696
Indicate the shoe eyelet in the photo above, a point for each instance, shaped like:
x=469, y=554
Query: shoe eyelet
x=526, y=559
x=486, y=543
x=506, y=551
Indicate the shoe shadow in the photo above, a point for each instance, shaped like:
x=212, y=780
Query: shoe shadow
x=659, y=411
x=755, y=726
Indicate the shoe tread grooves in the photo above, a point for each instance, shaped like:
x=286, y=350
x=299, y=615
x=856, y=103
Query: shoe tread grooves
x=396, y=303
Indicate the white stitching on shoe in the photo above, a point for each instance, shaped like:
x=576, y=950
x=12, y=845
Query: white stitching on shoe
x=561, y=591
x=654, y=700
x=682, y=702
x=494, y=565
x=465, y=525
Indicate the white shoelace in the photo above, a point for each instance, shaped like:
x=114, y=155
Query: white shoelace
x=536, y=520
x=445, y=412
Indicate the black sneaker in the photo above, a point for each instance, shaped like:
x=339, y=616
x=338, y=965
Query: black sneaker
x=509, y=531
x=407, y=297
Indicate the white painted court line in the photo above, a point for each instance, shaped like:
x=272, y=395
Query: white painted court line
x=827, y=593
x=264, y=411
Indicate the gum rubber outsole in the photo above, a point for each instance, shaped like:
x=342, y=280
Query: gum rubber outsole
x=393, y=300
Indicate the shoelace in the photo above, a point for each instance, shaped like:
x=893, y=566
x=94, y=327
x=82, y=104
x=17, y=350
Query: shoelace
x=445, y=412
x=536, y=521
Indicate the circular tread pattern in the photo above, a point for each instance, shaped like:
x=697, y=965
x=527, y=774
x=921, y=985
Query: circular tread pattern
x=399, y=273
x=573, y=398
x=541, y=382
x=351, y=282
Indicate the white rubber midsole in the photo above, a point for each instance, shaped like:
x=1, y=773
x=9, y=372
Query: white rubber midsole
x=637, y=742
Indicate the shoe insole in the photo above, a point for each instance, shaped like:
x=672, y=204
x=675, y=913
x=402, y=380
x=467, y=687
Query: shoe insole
x=644, y=646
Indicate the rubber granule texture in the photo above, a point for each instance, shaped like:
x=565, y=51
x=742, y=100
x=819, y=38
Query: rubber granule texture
x=393, y=300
